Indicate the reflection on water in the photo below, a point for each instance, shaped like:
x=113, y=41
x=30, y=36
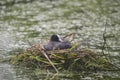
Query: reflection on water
x=24, y=21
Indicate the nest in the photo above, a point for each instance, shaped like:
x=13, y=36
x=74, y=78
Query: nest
x=68, y=59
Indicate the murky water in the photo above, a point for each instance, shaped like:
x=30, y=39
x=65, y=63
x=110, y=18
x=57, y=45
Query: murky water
x=96, y=24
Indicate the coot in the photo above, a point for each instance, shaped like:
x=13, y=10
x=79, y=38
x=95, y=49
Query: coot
x=57, y=43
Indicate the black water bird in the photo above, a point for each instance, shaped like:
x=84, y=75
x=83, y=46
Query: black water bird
x=57, y=43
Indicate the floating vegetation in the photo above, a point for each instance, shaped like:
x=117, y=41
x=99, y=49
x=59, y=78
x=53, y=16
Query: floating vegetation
x=73, y=59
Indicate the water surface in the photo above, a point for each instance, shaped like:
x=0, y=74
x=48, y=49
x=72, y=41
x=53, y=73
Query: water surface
x=96, y=24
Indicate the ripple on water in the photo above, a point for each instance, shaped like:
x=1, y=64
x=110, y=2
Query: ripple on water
x=7, y=72
x=41, y=18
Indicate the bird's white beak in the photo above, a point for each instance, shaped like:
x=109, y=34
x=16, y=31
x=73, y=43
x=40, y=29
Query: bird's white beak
x=59, y=38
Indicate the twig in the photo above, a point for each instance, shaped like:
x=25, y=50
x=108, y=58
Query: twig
x=29, y=43
x=44, y=53
x=68, y=35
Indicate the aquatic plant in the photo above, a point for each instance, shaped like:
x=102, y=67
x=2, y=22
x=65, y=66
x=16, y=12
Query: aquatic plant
x=73, y=59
